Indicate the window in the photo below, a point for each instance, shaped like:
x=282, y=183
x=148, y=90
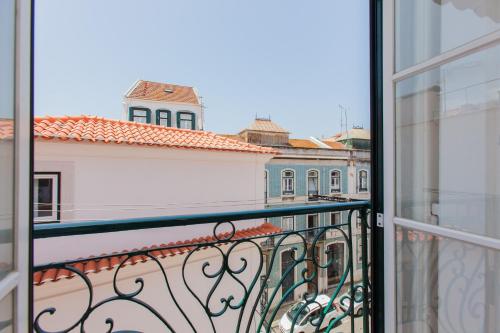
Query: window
x=363, y=181
x=335, y=181
x=163, y=118
x=288, y=182
x=288, y=223
x=266, y=190
x=186, y=120
x=335, y=262
x=335, y=218
x=46, y=197
x=312, y=183
x=140, y=115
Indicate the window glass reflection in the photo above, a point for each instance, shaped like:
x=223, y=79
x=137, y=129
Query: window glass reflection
x=6, y=134
x=448, y=145
x=445, y=285
x=426, y=28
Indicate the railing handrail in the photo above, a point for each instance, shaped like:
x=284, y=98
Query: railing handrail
x=95, y=227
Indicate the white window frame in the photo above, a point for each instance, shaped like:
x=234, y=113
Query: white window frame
x=317, y=180
x=292, y=218
x=339, y=214
x=367, y=188
x=17, y=281
x=390, y=79
x=340, y=181
x=56, y=185
x=283, y=183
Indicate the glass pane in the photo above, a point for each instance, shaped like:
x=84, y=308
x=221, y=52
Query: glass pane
x=6, y=134
x=43, y=197
x=6, y=305
x=140, y=113
x=445, y=285
x=447, y=145
x=426, y=28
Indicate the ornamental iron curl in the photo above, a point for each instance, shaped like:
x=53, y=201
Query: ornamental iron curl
x=249, y=265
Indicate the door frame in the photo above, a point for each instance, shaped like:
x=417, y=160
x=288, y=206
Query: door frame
x=18, y=281
x=390, y=79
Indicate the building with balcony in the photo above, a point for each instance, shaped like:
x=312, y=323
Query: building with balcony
x=313, y=171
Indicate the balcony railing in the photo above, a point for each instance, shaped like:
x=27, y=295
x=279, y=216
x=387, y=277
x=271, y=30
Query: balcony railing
x=282, y=270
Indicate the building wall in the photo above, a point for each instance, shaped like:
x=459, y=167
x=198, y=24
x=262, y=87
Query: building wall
x=70, y=296
x=349, y=162
x=301, y=168
x=108, y=181
x=173, y=107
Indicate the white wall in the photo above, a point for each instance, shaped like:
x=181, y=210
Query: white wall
x=70, y=297
x=173, y=107
x=110, y=181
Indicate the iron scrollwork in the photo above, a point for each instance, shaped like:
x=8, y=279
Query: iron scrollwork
x=231, y=265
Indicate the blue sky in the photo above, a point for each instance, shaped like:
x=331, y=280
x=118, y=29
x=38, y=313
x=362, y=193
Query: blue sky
x=293, y=60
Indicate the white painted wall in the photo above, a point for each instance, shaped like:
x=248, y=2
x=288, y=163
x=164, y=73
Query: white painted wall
x=70, y=297
x=173, y=107
x=109, y=181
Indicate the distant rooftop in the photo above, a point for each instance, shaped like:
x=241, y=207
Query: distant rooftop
x=355, y=133
x=265, y=125
x=165, y=92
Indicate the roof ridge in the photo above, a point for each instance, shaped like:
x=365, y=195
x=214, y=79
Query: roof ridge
x=104, y=261
x=87, y=128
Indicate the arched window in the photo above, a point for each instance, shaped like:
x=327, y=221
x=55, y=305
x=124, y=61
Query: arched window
x=363, y=181
x=312, y=183
x=335, y=181
x=288, y=182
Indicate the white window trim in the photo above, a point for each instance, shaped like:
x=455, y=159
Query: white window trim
x=340, y=181
x=294, y=183
x=358, y=183
x=307, y=182
x=336, y=213
x=293, y=222
x=54, y=217
x=390, y=78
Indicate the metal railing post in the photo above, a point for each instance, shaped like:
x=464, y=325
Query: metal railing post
x=364, y=267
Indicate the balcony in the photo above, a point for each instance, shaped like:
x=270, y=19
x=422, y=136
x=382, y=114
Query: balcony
x=236, y=280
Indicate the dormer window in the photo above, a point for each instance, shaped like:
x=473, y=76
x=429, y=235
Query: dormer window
x=140, y=115
x=186, y=120
x=164, y=118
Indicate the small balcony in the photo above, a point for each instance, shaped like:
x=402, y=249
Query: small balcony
x=238, y=279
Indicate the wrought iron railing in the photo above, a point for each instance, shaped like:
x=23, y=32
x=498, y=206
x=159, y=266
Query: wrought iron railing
x=263, y=288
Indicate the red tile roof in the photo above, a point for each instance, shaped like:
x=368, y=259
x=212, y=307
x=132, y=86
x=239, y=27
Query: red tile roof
x=335, y=145
x=302, y=143
x=165, y=92
x=6, y=129
x=102, y=130
x=111, y=261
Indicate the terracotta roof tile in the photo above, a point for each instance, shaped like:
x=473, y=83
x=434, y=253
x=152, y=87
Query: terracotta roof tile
x=6, y=129
x=166, y=92
x=302, y=143
x=335, y=145
x=96, y=265
x=97, y=129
